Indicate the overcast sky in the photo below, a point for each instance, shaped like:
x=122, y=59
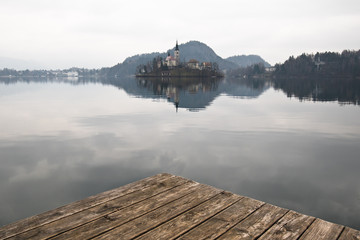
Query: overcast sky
x=101, y=33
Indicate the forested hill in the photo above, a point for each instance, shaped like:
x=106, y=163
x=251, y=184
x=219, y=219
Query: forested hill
x=190, y=50
x=328, y=64
x=247, y=60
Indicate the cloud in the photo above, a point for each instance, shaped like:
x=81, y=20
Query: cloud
x=102, y=33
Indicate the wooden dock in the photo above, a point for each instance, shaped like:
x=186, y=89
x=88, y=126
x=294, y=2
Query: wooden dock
x=170, y=207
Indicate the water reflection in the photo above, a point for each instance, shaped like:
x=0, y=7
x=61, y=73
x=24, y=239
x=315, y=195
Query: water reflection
x=192, y=93
x=343, y=90
x=88, y=136
x=180, y=90
x=189, y=93
x=196, y=94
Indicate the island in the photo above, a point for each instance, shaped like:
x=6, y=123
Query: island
x=172, y=67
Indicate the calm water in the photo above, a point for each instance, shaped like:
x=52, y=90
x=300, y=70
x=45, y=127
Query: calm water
x=64, y=140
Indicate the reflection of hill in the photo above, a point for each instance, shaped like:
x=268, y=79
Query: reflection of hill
x=192, y=94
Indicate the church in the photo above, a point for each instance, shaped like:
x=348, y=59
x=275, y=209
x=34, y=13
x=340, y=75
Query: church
x=173, y=61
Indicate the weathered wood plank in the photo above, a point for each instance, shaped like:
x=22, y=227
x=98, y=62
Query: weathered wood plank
x=350, y=234
x=58, y=213
x=127, y=214
x=322, y=230
x=255, y=224
x=291, y=226
x=221, y=222
x=161, y=215
x=91, y=214
x=192, y=218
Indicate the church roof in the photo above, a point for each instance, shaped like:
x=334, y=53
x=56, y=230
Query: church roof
x=170, y=58
x=177, y=46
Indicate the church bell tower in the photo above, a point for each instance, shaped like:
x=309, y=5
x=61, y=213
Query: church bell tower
x=177, y=53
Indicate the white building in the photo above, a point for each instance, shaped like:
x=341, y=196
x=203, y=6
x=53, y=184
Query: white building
x=173, y=61
x=193, y=64
x=170, y=61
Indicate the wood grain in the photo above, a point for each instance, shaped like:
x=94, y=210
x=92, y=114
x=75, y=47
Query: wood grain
x=225, y=220
x=115, y=219
x=192, y=218
x=161, y=215
x=322, y=230
x=255, y=224
x=350, y=234
x=291, y=226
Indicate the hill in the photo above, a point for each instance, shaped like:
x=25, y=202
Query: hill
x=247, y=60
x=190, y=50
x=203, y=53
x=128, y=67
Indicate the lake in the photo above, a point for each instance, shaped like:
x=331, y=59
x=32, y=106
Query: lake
x=62, y=140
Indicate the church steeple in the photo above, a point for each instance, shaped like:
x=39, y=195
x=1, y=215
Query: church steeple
x=177, y=53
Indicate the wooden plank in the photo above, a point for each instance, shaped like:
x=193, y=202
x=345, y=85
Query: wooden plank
x=291, y=226
x=223, y=221
x=91, y=214
x=190, y=219
x=161, y=215
x=350, y=234
x=58, y=213
x=322, y=230
x=156, y=205
x=257, y=223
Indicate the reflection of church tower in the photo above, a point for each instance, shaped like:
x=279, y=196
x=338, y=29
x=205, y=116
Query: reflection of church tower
x=177, y=53
x=176, y=100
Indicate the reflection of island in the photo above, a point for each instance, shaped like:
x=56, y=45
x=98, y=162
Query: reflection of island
x=193, y=94
x=196, y=94
x=180, y=90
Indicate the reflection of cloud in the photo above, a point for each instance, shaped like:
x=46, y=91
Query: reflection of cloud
x=308, y=174
x=43, y=173
x=42, y=170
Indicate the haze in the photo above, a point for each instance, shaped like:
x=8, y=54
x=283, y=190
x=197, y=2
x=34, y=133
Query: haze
x=40, y=34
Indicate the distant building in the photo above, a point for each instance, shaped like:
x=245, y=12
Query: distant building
x=193, y=64
x=170, y=61
x=72, y=74
x=206, y=65
x=270, y=69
